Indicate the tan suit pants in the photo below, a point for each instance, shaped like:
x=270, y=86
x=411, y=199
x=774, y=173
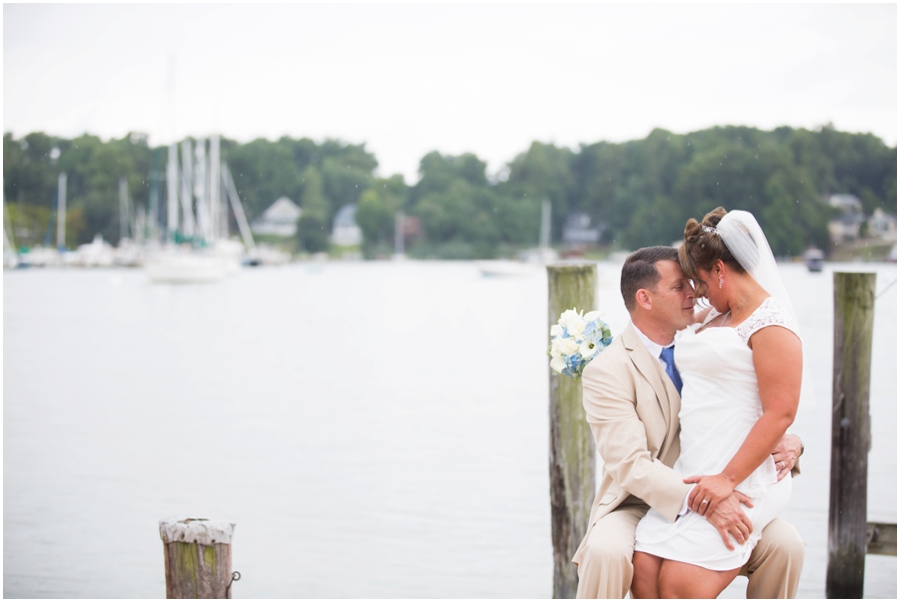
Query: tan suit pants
x=605, y=570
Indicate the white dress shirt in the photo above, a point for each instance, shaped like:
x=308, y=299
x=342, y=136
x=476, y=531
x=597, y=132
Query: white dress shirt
x=654, y=349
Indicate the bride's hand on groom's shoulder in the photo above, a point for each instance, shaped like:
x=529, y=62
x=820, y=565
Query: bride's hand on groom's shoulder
x=709, y=491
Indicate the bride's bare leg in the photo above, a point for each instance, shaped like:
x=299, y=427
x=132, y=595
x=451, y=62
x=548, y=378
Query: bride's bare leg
x=645, y=583
x=682, y=580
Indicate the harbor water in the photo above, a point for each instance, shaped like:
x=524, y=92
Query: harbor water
x=373, y=429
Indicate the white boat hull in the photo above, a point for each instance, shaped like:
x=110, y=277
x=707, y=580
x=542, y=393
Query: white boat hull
x=183, y=269
x=506, y=268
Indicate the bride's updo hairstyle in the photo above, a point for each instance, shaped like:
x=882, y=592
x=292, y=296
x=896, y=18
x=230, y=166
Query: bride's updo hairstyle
x=703, y=246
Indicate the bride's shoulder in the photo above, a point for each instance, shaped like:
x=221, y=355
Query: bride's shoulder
x=772, y=308
x=770, y=312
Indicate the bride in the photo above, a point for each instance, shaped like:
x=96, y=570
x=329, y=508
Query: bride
x=741, y=366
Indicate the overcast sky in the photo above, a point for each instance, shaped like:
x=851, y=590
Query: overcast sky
x=407, y=79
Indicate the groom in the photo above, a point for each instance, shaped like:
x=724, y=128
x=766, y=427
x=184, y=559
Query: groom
x=632, y=401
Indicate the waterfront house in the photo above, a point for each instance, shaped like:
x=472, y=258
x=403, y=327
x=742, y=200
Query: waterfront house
x=345, y=232
x=280, y=219
x=882, y=225
x=845, y=227
x=577, y=230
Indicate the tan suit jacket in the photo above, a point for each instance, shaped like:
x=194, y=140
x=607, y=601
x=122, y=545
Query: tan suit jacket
x=632, y=408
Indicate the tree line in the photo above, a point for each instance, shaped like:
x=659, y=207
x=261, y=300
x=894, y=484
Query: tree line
x=638, y=192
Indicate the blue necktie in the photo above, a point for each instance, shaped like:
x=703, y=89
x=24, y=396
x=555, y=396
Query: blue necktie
x=668, y=356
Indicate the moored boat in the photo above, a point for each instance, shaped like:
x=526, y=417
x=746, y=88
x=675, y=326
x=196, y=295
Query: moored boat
x=501, y=267
x=814, y=258
x=185, y=267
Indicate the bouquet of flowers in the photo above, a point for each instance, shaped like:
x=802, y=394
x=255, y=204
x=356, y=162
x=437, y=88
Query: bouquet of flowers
x=575, y=340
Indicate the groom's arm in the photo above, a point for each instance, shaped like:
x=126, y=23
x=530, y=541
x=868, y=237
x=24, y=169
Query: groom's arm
x=621, y=437
x=788, y=452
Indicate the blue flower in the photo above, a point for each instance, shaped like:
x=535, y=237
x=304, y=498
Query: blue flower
x=593, y=332
x=574, y=365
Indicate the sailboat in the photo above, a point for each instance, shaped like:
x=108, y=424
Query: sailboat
x=532, y=259
x=198, y=248
x=95, y=254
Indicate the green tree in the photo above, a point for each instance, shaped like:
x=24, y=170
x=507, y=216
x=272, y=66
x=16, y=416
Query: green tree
x=544, y=171
x=263, y=172
x=376, y=212
x=793, y=217
x=457, y=206
x=642, y=191
x=312, y=226
x=29, y=170
x=343, y=182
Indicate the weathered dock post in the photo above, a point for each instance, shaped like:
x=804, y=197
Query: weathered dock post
x=854, y=305
x=572, y=450
x=198, y=557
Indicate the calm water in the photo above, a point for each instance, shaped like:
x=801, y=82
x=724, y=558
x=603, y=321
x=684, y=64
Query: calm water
x=375, y=430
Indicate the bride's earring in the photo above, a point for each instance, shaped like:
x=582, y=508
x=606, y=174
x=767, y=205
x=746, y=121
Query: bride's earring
x=720, y=280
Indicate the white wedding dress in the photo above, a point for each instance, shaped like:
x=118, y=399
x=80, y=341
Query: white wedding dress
x=719, y=405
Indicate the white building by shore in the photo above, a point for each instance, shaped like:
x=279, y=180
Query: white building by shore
x=280, y=219
x=345, y=232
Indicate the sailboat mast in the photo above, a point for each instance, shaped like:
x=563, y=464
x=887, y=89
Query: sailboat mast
x=140, y=224
x=545, y=224
x=187, y=196
x=61, y=212
x=124, y=213
x=214, y=190
x=200, y=190
x=237, y=208
x=153, y=212
x=8, y=238
x=172, y=189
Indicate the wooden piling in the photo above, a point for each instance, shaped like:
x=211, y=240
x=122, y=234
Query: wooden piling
x=572, y=450
x=854, y=304
x=197, y=557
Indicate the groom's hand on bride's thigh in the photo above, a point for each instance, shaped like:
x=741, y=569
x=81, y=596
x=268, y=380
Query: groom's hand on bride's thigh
x=730, y=521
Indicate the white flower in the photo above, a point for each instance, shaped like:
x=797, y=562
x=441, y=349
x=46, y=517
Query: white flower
x=556, y=330
x=588, y=349
x=557, y=363
x=576, y=327
x=568, y=347
x=573, y=322
x=554, y=347
x=569, y=318
x=591, y=316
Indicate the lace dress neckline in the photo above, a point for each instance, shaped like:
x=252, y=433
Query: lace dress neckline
x=769, y=313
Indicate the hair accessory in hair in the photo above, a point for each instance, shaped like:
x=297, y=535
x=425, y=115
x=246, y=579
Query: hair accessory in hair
x=710, y=229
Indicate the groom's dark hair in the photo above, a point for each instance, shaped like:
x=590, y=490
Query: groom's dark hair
x=639, y=271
